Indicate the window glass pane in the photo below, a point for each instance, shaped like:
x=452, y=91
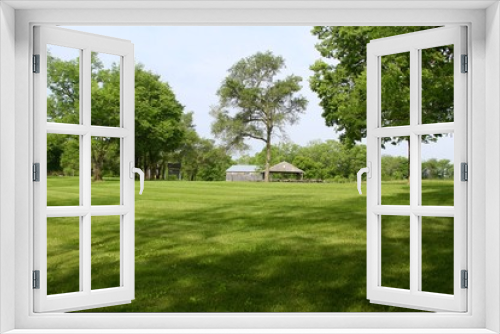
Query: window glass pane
x=395, y=240
x=63, y=170
x=105, y=171
x=394, y=170
x=63, y=84
x=437, y=84
x=437, y=169
x=395, y=90
x=437, y=254
x=105, y=252
x=105, y=89
x=63, y=255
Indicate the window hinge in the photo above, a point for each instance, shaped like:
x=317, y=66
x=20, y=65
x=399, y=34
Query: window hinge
x=36, y=279
x=36, y=63
x=465, y=63
x=36, y=172
x=465, y=279
x=464, y=171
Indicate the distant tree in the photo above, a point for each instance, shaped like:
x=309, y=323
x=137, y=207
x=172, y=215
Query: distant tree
x=70, y=157
x=201, y=159
x=253, y=103
x=213, y=163
x=286, y=151
x=393, y=168
x=318, y=159
x=312, y=169
x=341, y=82
x=437, y=169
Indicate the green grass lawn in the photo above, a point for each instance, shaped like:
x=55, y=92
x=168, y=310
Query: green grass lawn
x=249, y=247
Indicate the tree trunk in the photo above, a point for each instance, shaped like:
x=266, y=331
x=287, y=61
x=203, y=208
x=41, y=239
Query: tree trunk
x=268, y=157
x=408, y=160
x=98, y=165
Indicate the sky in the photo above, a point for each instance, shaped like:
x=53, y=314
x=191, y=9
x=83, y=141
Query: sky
x=194, y=60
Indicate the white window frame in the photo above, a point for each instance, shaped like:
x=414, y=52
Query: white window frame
x=85, y=44
x=483, y=314
x=413, y=44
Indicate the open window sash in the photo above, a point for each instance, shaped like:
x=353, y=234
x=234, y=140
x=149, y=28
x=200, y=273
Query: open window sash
x=85, y=44
x=415, y=297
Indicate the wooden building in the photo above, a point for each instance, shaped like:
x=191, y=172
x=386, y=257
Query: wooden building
x=286, y=168
x=244, y=173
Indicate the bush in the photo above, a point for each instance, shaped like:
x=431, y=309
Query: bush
x=69, y=172
x=173, y=178
x=339, y=179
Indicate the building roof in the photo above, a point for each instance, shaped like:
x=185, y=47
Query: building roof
x=243, y=168
x=285, y=167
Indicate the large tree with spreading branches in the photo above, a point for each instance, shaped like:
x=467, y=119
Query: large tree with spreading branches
x=339, y=80
x=255, y=103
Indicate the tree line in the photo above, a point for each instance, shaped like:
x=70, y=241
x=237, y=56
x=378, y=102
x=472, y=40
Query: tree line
x=334, y=161
x=256, y=101
x=164, y=131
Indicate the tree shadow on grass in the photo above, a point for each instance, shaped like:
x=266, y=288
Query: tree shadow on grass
x=291, y=259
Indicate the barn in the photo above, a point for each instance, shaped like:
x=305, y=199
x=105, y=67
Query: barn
x=244, y=173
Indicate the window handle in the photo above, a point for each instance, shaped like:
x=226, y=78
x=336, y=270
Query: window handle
x=138, y=171
x=368, y=171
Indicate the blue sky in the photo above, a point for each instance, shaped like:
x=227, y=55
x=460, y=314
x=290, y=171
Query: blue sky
x=194, y=60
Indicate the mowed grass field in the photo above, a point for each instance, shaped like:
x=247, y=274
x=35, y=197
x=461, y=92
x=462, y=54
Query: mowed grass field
x=249, y=247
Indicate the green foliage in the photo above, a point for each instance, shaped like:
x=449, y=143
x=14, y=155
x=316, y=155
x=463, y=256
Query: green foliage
x=337, y=162
x=282, y=152
x=63, y=83
x=437, y=169
x=253, y=103
x=339, y=79
x=394, y=168
x=158, y=124
x=158, y=127
x=319, y=160
x=201, y=159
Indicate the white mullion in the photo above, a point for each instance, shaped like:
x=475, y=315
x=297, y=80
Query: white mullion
x=422, y=129
x=66, y=211
x=460, y=155
x=435, y=128
x=80, y=179
x=391, y=131
x=109, y=210
x=434, y=211
x=67, y=129
x=79, y=130
x=105, y=131
x=418, y=191
x=414, y=179
x=85, y=169
x=80, y=211
x=123, y=174
x=40, y=156
x=406, y=210
x=392, y=210
x=127, y=150
x=373, y=261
